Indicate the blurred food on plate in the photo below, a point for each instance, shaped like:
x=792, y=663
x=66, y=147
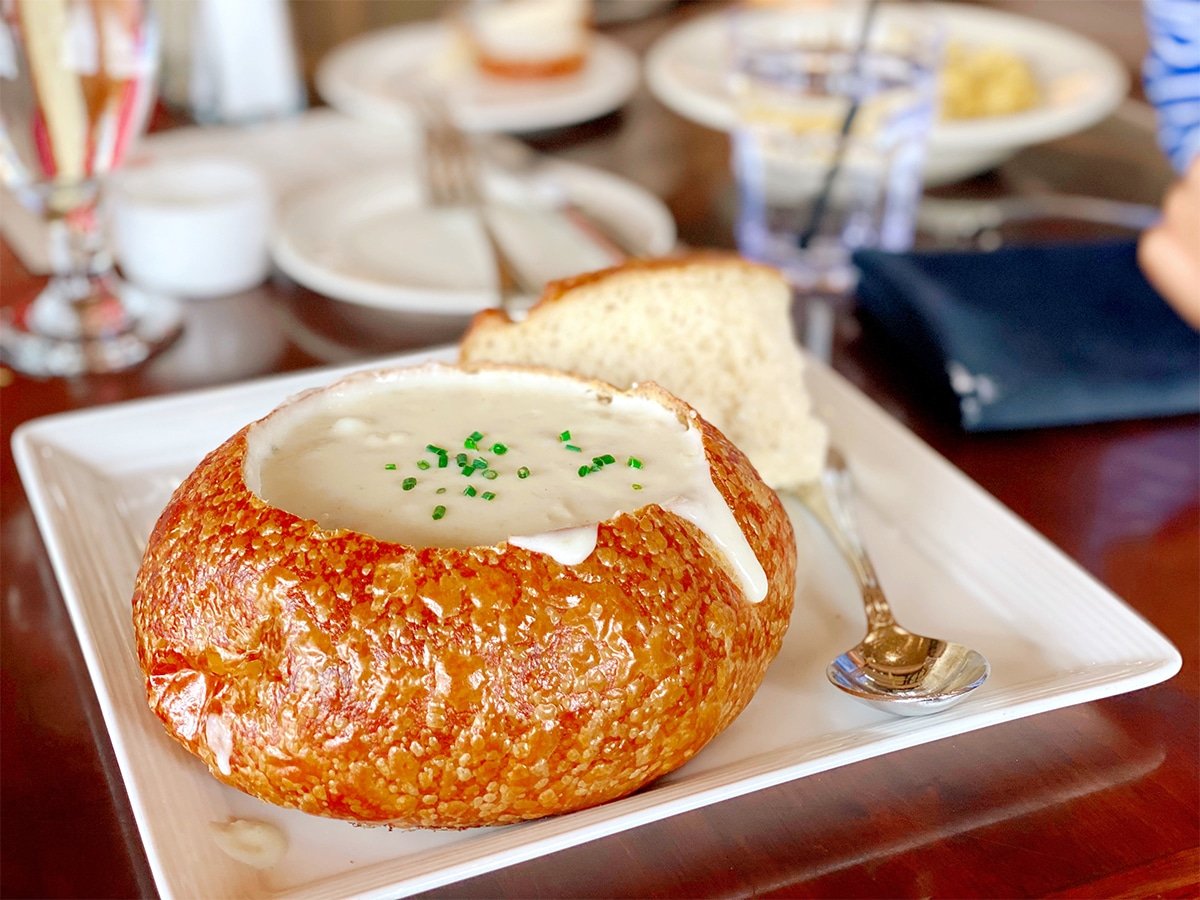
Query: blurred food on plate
x=527, y=38
x=986, y=81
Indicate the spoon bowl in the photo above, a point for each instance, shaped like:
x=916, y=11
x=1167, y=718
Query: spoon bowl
x=892, y=668
x=913, y=674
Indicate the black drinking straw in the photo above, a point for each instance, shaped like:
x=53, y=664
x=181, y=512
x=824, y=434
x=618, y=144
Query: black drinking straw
x=818, y=210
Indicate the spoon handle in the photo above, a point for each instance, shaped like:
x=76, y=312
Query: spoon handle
x=830, y=499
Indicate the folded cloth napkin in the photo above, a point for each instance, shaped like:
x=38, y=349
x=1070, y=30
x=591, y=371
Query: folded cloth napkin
x=1035, y=336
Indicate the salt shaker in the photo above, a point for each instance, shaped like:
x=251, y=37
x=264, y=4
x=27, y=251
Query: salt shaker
x=230, y=61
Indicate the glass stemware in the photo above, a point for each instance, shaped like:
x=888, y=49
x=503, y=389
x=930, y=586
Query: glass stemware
x=76, y=88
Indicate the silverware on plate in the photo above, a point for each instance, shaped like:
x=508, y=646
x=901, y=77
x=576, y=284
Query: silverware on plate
x=891, y=668
x=452, y=177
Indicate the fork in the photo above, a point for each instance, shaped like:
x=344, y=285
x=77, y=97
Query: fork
x=453, y=177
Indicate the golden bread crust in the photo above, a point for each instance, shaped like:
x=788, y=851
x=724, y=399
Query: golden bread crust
x=529, y=69
x=555, y=290
x=371, y=681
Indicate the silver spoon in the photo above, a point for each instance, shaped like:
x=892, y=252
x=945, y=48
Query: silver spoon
x=893, y=669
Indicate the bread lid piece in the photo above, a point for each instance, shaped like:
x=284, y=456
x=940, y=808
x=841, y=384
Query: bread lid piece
x=712, y=329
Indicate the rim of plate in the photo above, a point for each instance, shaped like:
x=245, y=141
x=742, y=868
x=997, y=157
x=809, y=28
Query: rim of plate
x=629, y=202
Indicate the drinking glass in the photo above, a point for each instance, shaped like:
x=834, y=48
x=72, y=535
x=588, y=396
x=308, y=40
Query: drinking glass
x=76, y=87
x=834, y=102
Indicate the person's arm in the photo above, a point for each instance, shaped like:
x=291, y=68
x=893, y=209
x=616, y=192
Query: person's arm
x=1169, y=253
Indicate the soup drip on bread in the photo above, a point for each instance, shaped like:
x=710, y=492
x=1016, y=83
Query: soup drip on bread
x=451, y=458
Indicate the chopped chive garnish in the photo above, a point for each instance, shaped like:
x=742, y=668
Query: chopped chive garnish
x=476, y=436
x=389, y=466
x=422, y=464
x=573, y=448
x=565, y=436
x=490, y=474
x=468, y=470
x=470, y=491
x=440, y=491
x=634, y=463
x=439, y=511
x=598, y=461
x=488, y=495
x=479, y=463
x=470, y=444
x=608, y=459
x=499, y=449
x=432, y=448
x=523, y=472
x=583, y=470
x=443, y=461
x=408, y=484
x=636, y=486
x=462, y=459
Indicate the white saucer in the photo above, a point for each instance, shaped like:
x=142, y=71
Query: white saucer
x=367, y=77
x=371, y=240
x=1083, y=82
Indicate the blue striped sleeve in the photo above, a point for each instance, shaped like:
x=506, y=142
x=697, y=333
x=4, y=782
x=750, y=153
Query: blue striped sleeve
x=1171, y=74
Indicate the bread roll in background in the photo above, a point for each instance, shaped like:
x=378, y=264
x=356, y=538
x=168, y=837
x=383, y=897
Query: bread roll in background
x=712, y=329
x=319, y=667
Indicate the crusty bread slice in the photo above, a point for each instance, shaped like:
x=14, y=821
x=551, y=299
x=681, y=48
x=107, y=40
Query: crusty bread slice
x=710, y=328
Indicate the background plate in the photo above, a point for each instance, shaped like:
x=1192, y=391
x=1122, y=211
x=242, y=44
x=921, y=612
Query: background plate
x=371, y=240
x=955, y=561
x=368, y=77
x=1083, y=83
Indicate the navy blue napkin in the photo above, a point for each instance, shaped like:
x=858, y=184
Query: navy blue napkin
x=1028, y=337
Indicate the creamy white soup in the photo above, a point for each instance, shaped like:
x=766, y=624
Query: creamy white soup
x=437, y=457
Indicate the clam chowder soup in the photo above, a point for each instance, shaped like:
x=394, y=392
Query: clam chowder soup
x=439, y=457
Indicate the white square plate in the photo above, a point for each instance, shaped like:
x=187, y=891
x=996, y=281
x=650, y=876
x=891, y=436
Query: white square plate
x=956, y=563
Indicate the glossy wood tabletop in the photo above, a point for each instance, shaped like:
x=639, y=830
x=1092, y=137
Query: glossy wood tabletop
x=1094, y=800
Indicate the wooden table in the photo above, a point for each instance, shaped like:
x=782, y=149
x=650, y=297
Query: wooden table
x=1094, y=800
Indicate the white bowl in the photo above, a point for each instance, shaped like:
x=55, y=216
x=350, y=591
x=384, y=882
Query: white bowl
x=1082, y=83
x=191, y=228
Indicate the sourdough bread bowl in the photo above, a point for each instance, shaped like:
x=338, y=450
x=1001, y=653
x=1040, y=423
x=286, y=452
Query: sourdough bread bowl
x=709, y=327
x=306, y=630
